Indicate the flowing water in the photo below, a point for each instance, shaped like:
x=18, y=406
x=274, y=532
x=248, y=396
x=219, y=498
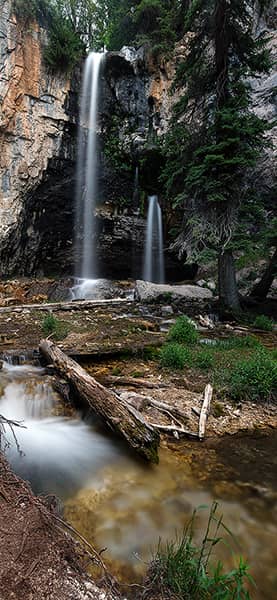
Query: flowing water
x=87, y=169
x=125, y=505
x=154, y=258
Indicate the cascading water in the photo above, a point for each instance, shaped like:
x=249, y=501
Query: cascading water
x=87, y=171
x=153, y=258
x=57, y=453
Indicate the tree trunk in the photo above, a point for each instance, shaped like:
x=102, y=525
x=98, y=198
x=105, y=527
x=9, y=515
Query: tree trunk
x=228, y=291
x=261, y=289
x=118, y=415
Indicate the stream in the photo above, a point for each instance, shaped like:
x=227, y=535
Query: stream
x=119, y=503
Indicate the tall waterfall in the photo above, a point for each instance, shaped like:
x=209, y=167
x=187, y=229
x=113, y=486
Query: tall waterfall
x=153, y=257
x=87, y=169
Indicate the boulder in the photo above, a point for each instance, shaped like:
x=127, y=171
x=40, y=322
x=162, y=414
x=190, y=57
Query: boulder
x=145, y=291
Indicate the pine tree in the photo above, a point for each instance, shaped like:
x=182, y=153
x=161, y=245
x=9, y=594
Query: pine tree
x=215, y=138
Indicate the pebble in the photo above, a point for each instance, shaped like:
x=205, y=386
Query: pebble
x=167, y=310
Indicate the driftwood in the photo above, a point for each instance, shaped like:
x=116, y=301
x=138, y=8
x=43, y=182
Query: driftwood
x=117, y=414
x=66, y=306
x=134, y=382
x=174, y=429
x=208, y=392
x=167, y=408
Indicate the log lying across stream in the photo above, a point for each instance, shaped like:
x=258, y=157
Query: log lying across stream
x=117, y=414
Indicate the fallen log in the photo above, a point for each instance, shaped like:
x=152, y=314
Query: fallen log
x=208, y=392
x=134, y=382
x=69, y=305
x=117, y=414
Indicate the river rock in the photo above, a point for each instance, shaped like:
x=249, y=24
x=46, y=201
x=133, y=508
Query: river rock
x=145, y=291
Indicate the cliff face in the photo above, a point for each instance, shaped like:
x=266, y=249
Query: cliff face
x=37, y=127
x=38, y=131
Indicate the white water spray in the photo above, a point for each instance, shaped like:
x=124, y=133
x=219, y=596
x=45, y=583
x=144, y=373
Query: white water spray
x=153, y=257
x=87, y=169
x=58, y=453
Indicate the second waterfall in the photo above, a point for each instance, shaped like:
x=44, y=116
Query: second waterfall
x=153, y=256
x=87, y=170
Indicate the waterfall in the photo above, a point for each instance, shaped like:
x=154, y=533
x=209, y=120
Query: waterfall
x=136, y=190
x=87, y=169
x=153, y=257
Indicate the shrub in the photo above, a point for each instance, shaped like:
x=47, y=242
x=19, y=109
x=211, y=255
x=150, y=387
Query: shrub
x=51, y=325
x=175, y=356
x=254, y=378
x=183, y=331
x=204, y=359
x=263, y=322
x=182, y=569
x=64, y=47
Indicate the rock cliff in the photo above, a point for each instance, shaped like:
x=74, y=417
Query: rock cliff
x=37, y=125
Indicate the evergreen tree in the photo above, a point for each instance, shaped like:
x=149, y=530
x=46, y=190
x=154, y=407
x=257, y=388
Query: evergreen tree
x=215, y=138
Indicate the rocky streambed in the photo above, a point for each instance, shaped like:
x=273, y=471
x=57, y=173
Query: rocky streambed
x=113, y=499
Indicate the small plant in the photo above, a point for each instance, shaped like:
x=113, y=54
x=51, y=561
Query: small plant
x=183, y=331
x=52, y=326
x=263, y=322
x=64, y=48
x=204, y=359
x=254, y=378
x=175, y=356
x=49, y=324
x=137, y=374
x=116, y=371
x=218, y=409
x=182, y=569
x=166, y=297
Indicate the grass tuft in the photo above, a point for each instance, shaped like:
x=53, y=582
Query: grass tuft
x=263, y=322
x=183, y=331
x=175, y=356
x=53, y=326
x=253, y=378
x=185, y=570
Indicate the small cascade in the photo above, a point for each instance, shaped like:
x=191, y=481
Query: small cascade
x=153, y=257
x=57, y=453
x=136, y=190
x=87, y=169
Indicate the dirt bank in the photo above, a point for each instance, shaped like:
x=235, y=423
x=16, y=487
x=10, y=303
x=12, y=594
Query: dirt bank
x=38, y=559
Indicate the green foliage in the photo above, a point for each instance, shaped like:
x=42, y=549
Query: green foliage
x=204, y=359
x=175, y=356
x=263, y=322
x=64, y=47
x=183, y=331
x=183, y=569
x=114, y=148
x=151, y=22
x=25, y=9
x=54, y=327
x=214, y=138
x=254, y=378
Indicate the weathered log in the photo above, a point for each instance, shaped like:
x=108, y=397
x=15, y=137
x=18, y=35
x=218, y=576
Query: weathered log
x=65, y=306
x=117, y=414
x=205, y=410
x=134, y=382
